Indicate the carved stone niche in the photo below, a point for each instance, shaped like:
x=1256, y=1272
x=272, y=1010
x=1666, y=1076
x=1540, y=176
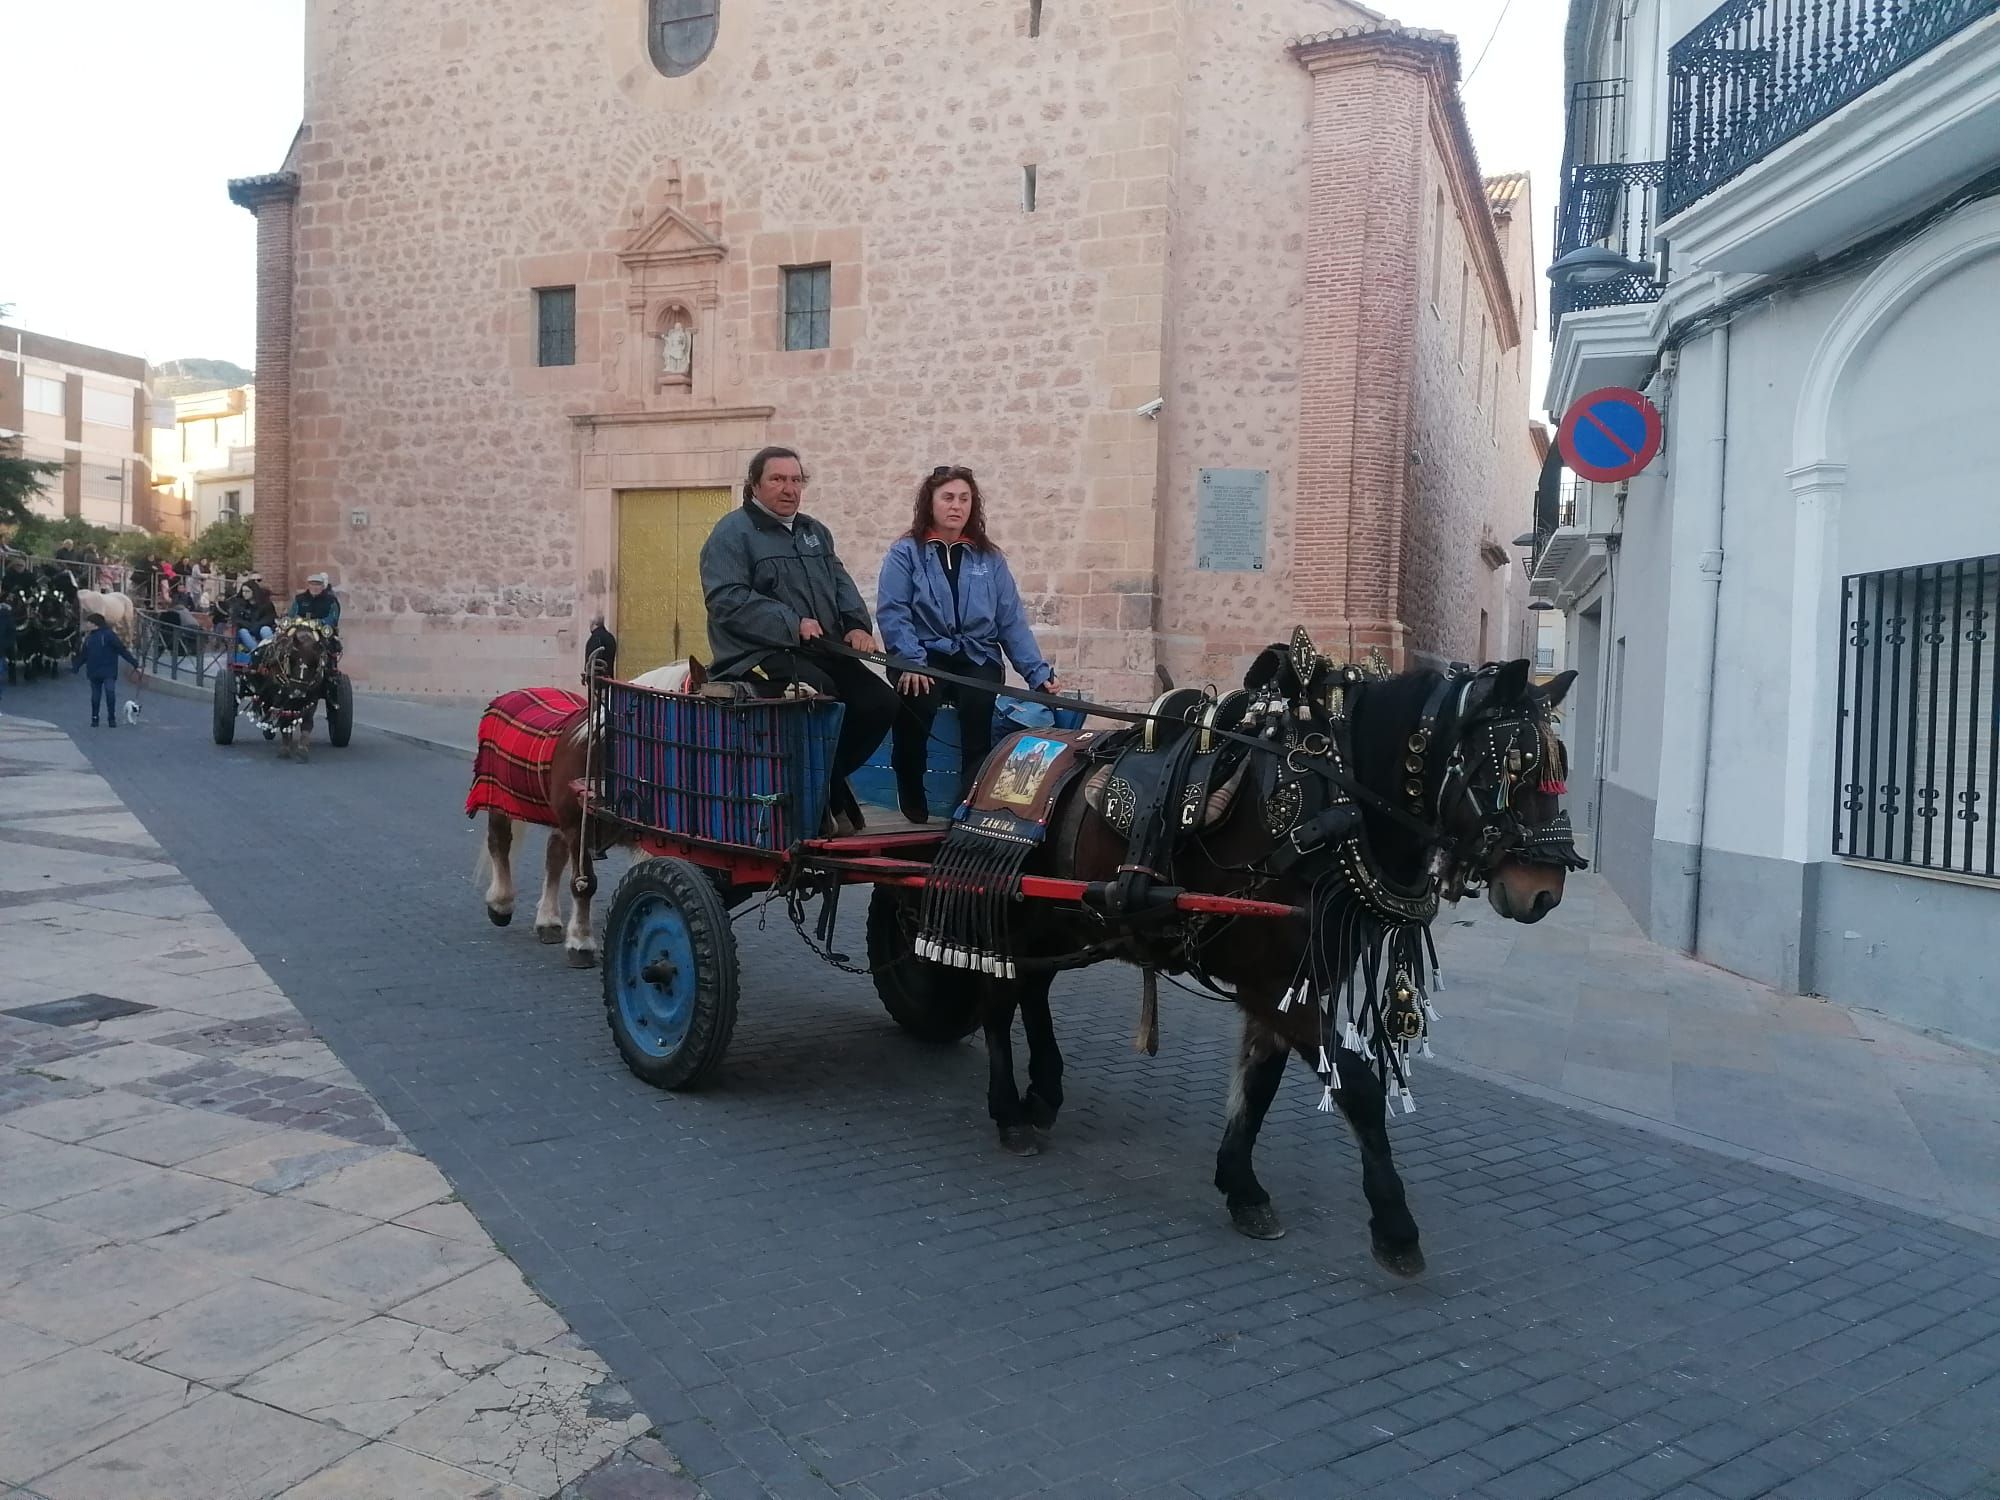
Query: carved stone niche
x=673, y=268
x=675, y=345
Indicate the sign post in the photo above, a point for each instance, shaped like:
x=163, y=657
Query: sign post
x=1610, y=434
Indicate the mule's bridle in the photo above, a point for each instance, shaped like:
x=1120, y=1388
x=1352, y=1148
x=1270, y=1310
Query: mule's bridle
x=1494, y=742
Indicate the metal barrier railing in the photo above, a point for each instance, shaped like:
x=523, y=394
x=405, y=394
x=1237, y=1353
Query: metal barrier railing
x=184, y=641
x=102, y=576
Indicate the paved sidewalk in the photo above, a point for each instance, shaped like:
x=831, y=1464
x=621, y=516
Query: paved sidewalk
x=1583, y=1010
x=223, y=1271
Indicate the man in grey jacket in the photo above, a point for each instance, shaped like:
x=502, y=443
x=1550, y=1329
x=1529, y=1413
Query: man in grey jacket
x=774, y=586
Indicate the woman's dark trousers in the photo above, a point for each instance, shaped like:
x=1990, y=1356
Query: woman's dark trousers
x=909, y=743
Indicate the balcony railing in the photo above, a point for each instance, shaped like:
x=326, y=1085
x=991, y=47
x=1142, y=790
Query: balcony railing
x=1555, y=508
x=1757, y=73
x=1613, y=204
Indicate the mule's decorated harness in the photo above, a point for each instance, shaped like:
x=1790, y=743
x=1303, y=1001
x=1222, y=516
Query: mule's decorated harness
x=1369, y=965
x=292, y=684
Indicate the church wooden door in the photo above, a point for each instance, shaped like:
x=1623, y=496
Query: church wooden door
x=660, y=614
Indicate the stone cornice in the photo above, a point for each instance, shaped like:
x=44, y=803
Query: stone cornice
x=1433, y=54
x=678, y=414
x=273, y=187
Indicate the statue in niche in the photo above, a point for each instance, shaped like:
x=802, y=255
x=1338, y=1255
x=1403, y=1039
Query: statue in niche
x=677, y=352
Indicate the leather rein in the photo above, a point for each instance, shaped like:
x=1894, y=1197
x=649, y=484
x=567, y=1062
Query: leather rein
x=1296, y=758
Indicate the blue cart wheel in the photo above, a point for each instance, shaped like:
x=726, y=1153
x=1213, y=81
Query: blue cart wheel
x=670, y=974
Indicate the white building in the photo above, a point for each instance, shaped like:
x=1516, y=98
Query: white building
x=205, y=457
x=1785, y=737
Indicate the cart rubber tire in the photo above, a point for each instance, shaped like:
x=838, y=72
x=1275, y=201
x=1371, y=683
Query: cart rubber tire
x=224, y=726
x=673, y=1027
x=340, y=710
x=930, y=1002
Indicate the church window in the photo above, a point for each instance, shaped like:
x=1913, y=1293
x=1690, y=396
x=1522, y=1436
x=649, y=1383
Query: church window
x=680, y=33
x=555, y=325
x=1027, y=189
x=1437, y=251
x=1464, y=309
x=1034, y=17
x=808, y=306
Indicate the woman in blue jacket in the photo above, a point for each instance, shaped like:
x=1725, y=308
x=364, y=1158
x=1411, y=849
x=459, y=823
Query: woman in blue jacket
x=946, y=598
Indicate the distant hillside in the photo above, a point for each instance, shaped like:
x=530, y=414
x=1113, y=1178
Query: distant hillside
x=190, y=377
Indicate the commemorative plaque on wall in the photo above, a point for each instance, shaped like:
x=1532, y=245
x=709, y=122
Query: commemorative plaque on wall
x=1230, y=514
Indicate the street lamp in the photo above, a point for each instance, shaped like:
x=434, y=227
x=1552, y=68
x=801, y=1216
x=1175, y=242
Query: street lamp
x=1594, y=265
x=1540, y=605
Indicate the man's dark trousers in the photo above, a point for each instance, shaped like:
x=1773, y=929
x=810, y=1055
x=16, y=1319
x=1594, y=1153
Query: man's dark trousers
x=107, y=689
x=870, y=702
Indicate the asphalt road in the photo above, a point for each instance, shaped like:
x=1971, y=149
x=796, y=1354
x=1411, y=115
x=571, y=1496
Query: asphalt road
x=820, y=1276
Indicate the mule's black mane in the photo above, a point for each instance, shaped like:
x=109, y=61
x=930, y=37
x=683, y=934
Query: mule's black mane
x=1382, y=712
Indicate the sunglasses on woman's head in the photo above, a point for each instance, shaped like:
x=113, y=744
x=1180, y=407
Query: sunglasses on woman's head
x=951, y=471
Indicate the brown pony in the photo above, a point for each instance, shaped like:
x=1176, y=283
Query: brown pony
x=534, y=746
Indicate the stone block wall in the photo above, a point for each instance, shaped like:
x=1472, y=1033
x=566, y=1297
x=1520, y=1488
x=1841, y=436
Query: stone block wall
x=1194, y=185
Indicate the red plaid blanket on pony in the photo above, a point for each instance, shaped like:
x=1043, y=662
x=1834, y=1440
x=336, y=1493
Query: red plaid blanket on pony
x=518, y=735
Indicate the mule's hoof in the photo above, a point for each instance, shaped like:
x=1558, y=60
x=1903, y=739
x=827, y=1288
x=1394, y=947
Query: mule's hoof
x=553, y=933
x=499, y=918
x=1399, y=1260
x=1258, y=1220
x=582, y=958
x=1019, y=1140
x=1041, y=1114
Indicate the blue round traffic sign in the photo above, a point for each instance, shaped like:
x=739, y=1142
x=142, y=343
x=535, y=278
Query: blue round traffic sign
x=1610, y=434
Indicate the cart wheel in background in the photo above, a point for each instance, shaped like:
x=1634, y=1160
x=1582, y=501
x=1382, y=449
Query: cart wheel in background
x=225, y=707
x=930, y=1002
x=340, y=710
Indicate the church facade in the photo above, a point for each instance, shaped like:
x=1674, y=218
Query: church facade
x=1214, y=301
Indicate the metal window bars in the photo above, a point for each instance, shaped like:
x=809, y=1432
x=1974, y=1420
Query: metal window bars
x=1917, y=752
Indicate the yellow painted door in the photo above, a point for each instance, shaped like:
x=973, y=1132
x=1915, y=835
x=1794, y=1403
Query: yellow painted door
x=660, y=614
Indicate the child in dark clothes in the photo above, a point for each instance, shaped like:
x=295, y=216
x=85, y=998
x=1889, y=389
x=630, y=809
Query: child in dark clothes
x=100, y=652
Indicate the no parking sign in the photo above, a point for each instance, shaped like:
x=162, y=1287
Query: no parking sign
x=1609, y=435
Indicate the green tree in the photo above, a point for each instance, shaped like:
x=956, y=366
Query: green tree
x=226, y=544
x=21, y=479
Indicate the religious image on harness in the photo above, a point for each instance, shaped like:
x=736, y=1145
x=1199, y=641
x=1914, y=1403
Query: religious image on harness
x=1027, y=765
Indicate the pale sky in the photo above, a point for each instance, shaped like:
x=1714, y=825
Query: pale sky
x=118, y=231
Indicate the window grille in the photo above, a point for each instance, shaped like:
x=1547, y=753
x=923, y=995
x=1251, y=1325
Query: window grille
x=1918, y=738
x=808, y=306
x=681, y=33
x=555, y=325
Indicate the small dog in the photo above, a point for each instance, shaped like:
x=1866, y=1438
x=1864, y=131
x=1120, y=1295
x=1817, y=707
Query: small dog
x=131, y=710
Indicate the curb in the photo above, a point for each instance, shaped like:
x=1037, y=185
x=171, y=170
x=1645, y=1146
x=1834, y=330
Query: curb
x=412, y=737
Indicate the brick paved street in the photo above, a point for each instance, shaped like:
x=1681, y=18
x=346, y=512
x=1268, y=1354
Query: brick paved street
x=819, y=1277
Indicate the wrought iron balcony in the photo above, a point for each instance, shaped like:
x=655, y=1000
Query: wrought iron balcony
x=1612, y=204
x=1757, y=73
x=1555, y=510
